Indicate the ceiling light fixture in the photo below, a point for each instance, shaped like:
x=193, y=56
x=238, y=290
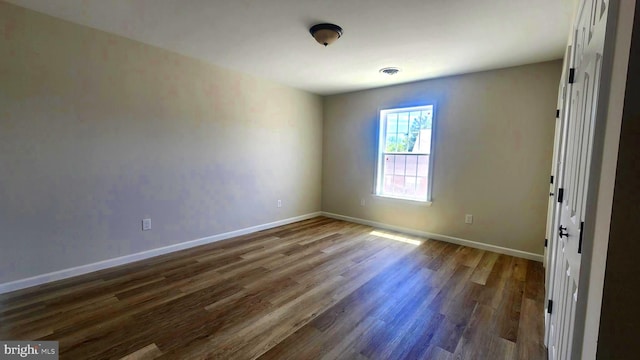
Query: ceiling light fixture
x=390, y=70
x=326, y=34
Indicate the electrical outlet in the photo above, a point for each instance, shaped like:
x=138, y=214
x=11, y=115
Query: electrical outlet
x=468, y=219
x=362, y=202
x=279, y=203
x=146, y=224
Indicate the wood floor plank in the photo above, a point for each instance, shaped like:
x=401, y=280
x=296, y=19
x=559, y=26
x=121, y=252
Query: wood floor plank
x=475, y=338
x=508, y=313
x=530, y=344
x=148, y=352
x=316, y=289
x=482, y=271
x=534, y=287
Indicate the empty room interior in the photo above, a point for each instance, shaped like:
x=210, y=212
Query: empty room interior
x=298, y=179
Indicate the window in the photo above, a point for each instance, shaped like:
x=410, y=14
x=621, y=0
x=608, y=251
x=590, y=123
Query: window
x=405, y=153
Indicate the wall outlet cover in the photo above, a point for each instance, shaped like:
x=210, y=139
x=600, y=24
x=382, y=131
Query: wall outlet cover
x=146, y=224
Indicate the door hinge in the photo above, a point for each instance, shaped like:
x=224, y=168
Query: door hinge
x=557, y=113
x=549, y=306
x=572, y=75
x=560, y=195
x=580, y=240
x=546, y=242
x=552, y=179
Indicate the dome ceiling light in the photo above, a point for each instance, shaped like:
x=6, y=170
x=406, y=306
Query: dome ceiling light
x=326, y=34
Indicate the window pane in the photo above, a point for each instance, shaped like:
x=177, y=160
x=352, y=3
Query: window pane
x=412, y=165
x=402, y=143
x=423, y=165
x=403, y=123
x=398, y=185
x=427, y=116
x=410, y=186
x=415, y=116
x=388, y=164
x=421, y=187
x=392, y=124
x=388, y=185
x=423, y=176
x=422, y=141
x=390, y=143
x=399, y=165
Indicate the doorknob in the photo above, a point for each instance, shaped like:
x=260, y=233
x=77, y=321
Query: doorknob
x=562, y=231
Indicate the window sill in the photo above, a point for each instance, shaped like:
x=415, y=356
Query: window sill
x=402, y=200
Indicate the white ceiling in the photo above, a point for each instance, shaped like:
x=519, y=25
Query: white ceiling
x=270, y=38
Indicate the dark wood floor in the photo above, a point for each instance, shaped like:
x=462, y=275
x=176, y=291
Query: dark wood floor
x=320, y=288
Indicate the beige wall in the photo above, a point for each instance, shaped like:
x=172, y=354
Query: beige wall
x=494, y=141
x=98, y=132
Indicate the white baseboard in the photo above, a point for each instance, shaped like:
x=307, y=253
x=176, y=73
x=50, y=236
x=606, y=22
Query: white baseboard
x=450, y=239
x=85, y=269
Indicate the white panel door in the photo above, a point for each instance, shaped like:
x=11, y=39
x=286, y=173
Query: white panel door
x=574, y=180
x=553, y=210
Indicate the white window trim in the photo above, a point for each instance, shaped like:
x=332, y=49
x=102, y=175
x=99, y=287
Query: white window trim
x=378, y=175
x=393, y=199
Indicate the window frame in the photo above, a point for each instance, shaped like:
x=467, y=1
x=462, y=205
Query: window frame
x=382, y=131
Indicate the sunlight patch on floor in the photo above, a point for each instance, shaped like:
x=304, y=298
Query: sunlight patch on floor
x=396, y=238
